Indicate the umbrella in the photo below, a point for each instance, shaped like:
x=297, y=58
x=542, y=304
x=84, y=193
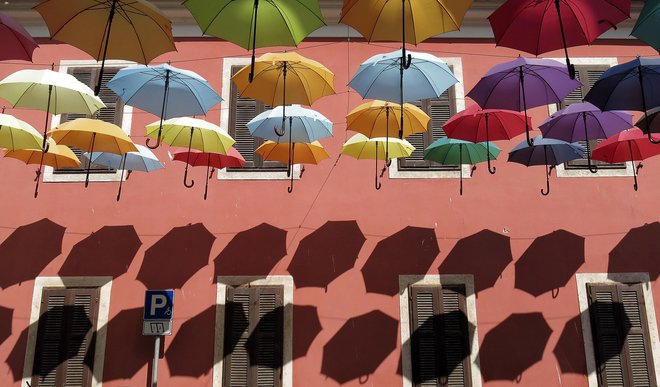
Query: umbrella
x=458, y=152
x=359, y=347
x=58, y=156
x=478, y=125
x=143, y=160
x=16, y=41
x=93, y=135
x=326, y=253
x=362, y=147
x=585, y=122
x=426, y=76
x=539, y=26
x=164, y=91
x=294, y=153
x=232, y=159
x=647, y=22
x=514, y=345
x=382, y=119
x=625, y=146
x=650, y=124
x=546, y=151
x=284, y=23
x=139, y=32
x=203, y=136
x=16, y=134
x=628, y=86
x=523, y=83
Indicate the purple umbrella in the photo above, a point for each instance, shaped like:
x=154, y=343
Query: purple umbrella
x=16, y=41
x=585, y=122
x=523, y=83
x=545, y=151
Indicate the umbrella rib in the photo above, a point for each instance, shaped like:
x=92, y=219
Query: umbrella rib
x=71, y=18
x=197, y=98
x=137, y=36
x=216, y=17
x=582, y=27
x=286, y=22
x=549, y=86
x=538, y=37
x=373, y=28
x=449, y=13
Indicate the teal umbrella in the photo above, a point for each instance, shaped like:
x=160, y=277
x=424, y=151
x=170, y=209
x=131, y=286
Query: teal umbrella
x=646, y=28
x=458, y=152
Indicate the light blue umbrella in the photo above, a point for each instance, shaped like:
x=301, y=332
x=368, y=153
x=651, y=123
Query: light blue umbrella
x=143, y=160
x=305, y=125
x=164, y=91
x=426, y=77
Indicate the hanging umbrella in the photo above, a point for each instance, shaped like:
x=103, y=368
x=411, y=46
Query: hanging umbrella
x=646, y=27
x=653, y=124
x=232, y=159
x=478, y=125
x=17, y=43
x=426, y=76
x=58, y=156
x=540, y=26
x=362, y=147
x=458, y=152
x=545, y=151
x=382, y=119
x=192, y=133
x=143, y=160
x=282, y=23
x=523, y=83
x=164, y=91
x=131, y=30
x=17, y=134
x=627, y=146
x=585, y=122
x=295, y=153
x=93, y=135
x=628, y=86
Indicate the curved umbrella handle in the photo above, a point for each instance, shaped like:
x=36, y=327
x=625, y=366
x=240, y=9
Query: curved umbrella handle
x=278, y=133
x=651, y=137
x=547, y=189
x=185, y=180
x=377, y=183
x=547, y=173
x=46, y=148
x=635, y=173
x=155, y=146
x=408, y=62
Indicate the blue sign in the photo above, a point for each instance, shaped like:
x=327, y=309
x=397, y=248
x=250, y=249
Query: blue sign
x=158, y=304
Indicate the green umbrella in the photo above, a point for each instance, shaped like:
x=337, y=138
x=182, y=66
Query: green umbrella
x=646, y=28
x=458, y=152
x=281, y=22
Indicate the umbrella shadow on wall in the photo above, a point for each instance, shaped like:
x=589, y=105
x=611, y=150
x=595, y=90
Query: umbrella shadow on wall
x=549, y=263
x=130, y=350
x=176, y=257
x=326, y=254
x=253, y=252
x=191, y=353
x=6, y=316
x=569, y=349
x=28, y=250
x=468, y=255
x=409, y=251
x=106, y=252
x=638, y=251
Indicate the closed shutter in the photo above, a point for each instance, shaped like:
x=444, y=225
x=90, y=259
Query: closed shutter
x=65, y=336
x=254, y=326
x=440, y=344
x=621, y=337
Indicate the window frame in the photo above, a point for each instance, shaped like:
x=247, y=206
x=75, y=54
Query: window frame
x=49, y=176
x=583, y=279
x=466, y=280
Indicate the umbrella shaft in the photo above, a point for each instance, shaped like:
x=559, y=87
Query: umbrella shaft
x=107, y=43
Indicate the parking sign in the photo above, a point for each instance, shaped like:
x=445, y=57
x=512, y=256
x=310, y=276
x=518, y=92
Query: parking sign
x=158, y=312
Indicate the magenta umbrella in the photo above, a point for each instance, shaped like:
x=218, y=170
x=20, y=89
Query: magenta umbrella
x=232, y=159
x=484, y=125
x=16, y=41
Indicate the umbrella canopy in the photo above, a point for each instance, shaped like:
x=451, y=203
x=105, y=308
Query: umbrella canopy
x=539, y=26
x=293, y=153
x=17, y=43
x=628, y=86
x=305, y=125
x=629, y=145
x=545, y=151
x=650, y=122
x=232, y=159
x=58, y=156
x=458, y=152
x=484, y=125
x=17, y=134
x=523, y=83
x=647, y=23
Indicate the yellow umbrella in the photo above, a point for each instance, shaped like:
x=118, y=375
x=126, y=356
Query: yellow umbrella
x=362, y=147
x=58, y=156
x=93, y=136
x=295, y=153
x=16, y=134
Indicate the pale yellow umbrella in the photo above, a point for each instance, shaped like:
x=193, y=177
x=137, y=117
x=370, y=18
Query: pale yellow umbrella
x=58, y=156
x=16, y=134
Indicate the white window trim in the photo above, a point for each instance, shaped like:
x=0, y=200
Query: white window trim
x=459, y=97
x=126, y=122
x=237, y=174
x=105, y=285
x=286, y=281
x=405, y=281
x=583, y=298
x=552, y=109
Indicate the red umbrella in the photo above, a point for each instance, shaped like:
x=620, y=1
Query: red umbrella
x=232, y=159
x=629, y=145
x=559, y=23
x=16, y=41
x=478, y=125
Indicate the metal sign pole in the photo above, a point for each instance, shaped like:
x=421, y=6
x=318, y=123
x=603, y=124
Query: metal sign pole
x=154, y=376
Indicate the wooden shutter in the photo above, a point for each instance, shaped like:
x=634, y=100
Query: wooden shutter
x=254, y=327
x=65, y=335
x=620, y=335
x=440, y=345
